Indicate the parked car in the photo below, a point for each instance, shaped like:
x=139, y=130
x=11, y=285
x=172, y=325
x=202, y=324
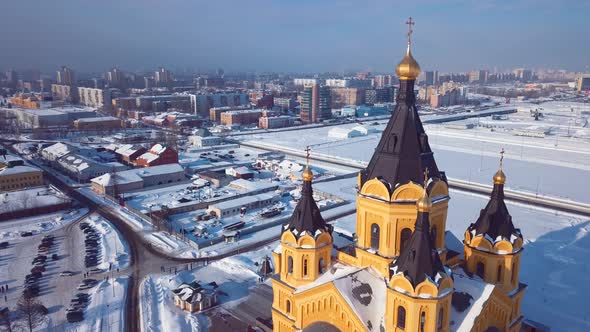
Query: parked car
x=4, y=245
x=75, y=316
x=66, y=274
x=54, y=257
x=25, y=234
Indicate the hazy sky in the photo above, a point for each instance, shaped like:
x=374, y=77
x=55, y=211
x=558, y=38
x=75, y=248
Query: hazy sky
x=293, y=35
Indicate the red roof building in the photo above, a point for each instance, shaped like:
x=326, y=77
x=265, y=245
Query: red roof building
x=158, y=155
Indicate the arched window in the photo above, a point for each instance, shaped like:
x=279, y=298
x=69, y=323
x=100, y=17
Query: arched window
x=305, y=267
x=375, y=236
x=321, y=266
x=404, y=237
x=290, y=265
x=480, y=269
x=499, y=273
x=401, y=317
x=288, y=306
x=441, y=318
x=422, y=321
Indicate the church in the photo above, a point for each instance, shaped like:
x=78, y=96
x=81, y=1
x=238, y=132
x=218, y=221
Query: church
x=399, y=274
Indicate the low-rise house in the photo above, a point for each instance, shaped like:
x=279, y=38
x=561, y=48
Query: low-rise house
x=19, y=177
x=195, y=297
x=217, y=179
x=98, y=123
x=83, y=169
x=235, y=206
x=241, y=172
x=158, y=155
x=135, y=179
x=203, y=138
x=128, y=153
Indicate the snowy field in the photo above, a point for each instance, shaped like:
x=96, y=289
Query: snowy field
x=234, y=275
x=472, y=154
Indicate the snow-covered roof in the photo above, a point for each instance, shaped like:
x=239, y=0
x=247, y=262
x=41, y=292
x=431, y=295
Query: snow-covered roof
x=18, y=170
x=137, y=175
x=59, y=149
x=478, y=291
x=239, y=202
x=366, y=293
x=99, y=119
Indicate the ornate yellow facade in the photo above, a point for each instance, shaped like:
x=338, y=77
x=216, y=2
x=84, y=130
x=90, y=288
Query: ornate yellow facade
x=398, y=275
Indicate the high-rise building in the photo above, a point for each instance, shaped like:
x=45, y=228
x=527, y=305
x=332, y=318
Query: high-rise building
x=479, y=76
x=379, y=95
x=349, y=83
x=523, y=74
x=315, y=103
x=431, y=77
x=116, y=78
x=583, y=82
x=163, y=77
x=380, y=81
x=347, y=96
x=66, y=76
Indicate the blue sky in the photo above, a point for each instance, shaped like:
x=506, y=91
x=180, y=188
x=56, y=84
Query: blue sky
x=293, y=35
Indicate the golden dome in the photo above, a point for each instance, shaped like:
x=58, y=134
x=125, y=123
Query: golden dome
x=424, y=204
x=499, y=177
x=408, y=68
x=307, y=174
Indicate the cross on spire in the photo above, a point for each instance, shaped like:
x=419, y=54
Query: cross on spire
x=410, y=23
x=502, y=157
x=307, y=151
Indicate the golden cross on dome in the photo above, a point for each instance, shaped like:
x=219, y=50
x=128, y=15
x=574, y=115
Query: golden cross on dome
x=307, y=150
x=502, y=157
x=410, y=23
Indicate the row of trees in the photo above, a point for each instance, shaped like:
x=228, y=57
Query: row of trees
x=30, y=313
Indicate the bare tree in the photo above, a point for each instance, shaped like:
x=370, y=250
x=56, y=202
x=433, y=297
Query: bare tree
x=7, y=324
x=31, y=312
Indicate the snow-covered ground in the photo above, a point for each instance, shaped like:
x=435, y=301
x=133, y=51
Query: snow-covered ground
x=40, y=224
x=472, y=154
x=234, y=275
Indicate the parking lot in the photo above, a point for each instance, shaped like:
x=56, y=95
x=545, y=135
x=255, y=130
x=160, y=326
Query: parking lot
x=53, y=267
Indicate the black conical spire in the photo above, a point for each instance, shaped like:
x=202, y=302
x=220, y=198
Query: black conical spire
x=403, y=153
x=306, y=216
x=419, y=259
x=495, y=220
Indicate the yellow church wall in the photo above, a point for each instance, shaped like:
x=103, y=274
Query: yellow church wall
x=414, y=307
x=392, y=218
x=300, y=275
x=498, y=313
x=325, y=304
x=508, y=266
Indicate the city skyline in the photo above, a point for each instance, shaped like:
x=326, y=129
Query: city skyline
x=305, y=36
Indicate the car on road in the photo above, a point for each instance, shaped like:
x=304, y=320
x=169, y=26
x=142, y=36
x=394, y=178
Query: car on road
x=26, y=233
x=84, y=286
x=66, y=274
x=4, y=245
x=96, y=271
